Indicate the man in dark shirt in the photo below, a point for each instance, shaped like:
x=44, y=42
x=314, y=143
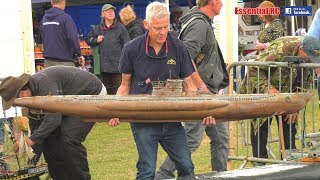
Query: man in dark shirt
x=157, y=56
x=60, y=137
x=59, y=37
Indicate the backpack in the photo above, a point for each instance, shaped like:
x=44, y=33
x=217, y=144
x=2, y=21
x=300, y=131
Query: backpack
x=225, y=81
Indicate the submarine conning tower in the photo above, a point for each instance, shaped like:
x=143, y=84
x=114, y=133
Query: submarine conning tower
x=170, y=87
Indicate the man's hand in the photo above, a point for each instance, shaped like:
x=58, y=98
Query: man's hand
x=81, y=61
x=273, y=91
x=16, y=145
x=100, y=38
x=209, y=121
x=114, y=122
x=203, y=89
x=29, y=142
x=294, y=118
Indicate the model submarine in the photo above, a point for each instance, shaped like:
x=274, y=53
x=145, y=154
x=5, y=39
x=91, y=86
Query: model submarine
x=168, y=105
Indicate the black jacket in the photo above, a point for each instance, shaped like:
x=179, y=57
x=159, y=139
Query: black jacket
x=136, y=28
x=110, y=48
x=59, y=80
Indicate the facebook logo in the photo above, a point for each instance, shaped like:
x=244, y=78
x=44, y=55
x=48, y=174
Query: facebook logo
x=297, y=10
x=287, y=11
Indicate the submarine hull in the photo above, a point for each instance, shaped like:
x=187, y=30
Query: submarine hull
x=99, y=108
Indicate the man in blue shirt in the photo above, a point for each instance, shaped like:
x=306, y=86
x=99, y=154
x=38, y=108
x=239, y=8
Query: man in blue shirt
x=152, y=57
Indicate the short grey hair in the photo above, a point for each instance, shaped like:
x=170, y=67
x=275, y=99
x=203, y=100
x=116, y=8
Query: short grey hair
x=157, y=10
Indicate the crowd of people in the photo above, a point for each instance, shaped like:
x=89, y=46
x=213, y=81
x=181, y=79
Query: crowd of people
x=130, y=55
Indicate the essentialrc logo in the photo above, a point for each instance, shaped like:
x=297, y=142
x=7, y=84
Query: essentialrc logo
x=255, y=11
x=258, y=11
x=297, y=10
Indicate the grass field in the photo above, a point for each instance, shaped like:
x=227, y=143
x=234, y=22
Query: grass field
x=112, y=153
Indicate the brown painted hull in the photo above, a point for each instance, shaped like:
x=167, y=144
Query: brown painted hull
x=169, y=109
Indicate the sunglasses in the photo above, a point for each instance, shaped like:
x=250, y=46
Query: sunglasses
x=156, y=57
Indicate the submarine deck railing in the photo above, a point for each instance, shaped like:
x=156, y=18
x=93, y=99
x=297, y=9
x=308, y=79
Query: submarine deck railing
x=239, y=150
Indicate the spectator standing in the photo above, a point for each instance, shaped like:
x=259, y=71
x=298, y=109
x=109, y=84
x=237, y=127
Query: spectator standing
x=176, y=14
x=59, y=37
x=211, y=76
x=146, y=59
x=133, y=24
x=110, y=36
x=271, y=27
x=306, y=46
x=59, y=136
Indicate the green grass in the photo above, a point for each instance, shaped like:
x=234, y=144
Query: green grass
x=112, y=153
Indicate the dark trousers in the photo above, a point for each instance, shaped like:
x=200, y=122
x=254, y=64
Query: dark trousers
x=73, y=134
x=63, y=149
x=51, y=150
x=111, y=81
x=264, y=136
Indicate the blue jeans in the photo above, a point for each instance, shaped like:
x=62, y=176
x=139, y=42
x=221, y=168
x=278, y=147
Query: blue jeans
x=172, y=138
x=219, y=147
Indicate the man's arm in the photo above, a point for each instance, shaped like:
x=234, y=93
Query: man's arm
x=200, y=85
x=48, y=125
x=125, y=85
x=189, y=86
x=93, y=39
x=122, y=91
x=72, y=35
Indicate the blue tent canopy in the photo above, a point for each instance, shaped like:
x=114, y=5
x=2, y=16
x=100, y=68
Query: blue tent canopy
x=85, y=14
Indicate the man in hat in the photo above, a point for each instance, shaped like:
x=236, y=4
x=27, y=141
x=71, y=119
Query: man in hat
x=307, y=47
x=60, y=137
x=110, y=36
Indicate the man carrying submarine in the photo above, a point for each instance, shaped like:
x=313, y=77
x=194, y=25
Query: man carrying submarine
x=58, y=137
x=157, y=56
